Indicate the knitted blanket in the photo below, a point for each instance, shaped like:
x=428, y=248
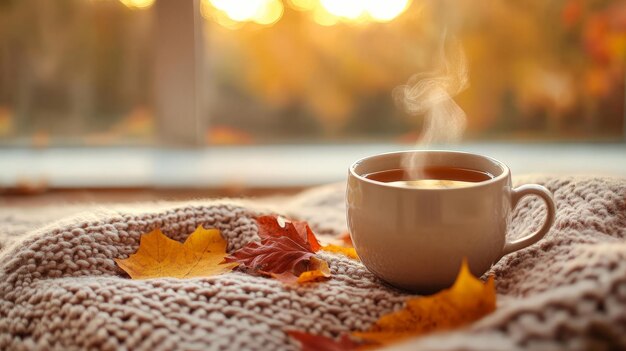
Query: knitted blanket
x=60, y=288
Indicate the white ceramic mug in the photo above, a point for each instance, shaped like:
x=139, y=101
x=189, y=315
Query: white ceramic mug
x=416, y=238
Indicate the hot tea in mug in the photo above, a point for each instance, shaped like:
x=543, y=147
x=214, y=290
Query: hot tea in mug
x=430, y=177
x=412, y=227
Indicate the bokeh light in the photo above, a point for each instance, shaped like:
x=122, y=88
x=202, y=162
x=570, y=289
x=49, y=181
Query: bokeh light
x=232, y=13
x=329, y=12
x=385, y=10
x=322, y=17
x=270, y=13
x=209, y=12
x=138, y=4
x=239, y=10
x=304, y=5
x=350, y=9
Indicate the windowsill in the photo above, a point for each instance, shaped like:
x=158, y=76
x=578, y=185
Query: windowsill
x=267, y=166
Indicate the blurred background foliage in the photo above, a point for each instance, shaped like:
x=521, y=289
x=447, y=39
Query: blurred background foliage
x=81, y=72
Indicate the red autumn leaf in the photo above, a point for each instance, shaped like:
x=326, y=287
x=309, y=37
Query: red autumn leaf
x=286, y=252
x=312, y=342
x=273, y=255
x=269, y=226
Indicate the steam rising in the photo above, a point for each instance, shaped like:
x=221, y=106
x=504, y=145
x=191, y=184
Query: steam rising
x=431, y=95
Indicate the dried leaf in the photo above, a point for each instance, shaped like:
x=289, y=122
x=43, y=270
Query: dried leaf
x=340, y=244
x=159, y=256
x=285, y=252
x=347, y=251
x=269, y=226
x=318, y=270
x=273, y=255
x=312, y=342
x=469, y=299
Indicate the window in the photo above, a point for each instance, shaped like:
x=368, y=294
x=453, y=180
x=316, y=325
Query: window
x=326, y=70
x=265, y=73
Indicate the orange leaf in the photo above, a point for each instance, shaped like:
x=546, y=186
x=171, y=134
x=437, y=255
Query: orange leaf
x=269, y=226
x=318, y=270
x=159, y=256
x=467, y=300
x=347, y=251
x=312, y=342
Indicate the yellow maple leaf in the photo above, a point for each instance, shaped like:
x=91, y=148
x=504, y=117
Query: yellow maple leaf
x=469, y=299
x=159, y=256
x=347, y=251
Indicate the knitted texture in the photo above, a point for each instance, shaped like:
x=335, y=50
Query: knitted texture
x=60, y=288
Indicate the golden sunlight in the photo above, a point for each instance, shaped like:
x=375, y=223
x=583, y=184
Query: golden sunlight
x=360, y=11
x=322, y=17
x=239, y=10
x=303, y=5
x=350, y=9
x=233, y=14
x=138, y=4
x=264, y=12
x=385, y=10
x=270, y=13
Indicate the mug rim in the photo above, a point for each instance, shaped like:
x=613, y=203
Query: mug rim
x=505, y=170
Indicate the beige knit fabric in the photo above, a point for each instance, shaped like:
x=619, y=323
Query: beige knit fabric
x=60, y=288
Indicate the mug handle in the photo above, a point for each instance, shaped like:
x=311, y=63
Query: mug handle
x=517, y=194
